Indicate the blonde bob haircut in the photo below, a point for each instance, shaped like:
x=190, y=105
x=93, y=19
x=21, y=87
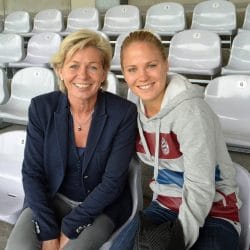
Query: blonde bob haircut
x=79, y=40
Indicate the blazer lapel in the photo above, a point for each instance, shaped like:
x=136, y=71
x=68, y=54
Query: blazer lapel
x=96, y=129
x=61, y=127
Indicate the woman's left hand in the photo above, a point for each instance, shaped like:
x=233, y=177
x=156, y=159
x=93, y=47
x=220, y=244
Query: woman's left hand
x=63, y=241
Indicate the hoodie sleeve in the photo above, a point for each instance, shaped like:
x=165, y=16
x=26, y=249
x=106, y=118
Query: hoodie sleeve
x=196, y=135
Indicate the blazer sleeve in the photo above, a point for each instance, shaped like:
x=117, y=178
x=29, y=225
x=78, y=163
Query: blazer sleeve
x=34, y=178
x=113, y=180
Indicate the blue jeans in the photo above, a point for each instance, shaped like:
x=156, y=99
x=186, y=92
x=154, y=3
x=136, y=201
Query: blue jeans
x=216, y=234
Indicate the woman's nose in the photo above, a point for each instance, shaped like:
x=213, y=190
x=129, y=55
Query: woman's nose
x=143, y=75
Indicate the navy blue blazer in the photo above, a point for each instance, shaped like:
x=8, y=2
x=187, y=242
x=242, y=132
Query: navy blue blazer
x=109, y=148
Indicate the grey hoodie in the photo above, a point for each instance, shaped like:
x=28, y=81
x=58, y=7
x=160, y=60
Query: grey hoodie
x=193, y=172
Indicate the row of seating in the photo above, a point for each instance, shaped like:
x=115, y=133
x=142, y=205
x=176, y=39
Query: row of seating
x=191, y=52
x=165, y=19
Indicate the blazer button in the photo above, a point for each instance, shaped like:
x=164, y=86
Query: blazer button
x=85, y=177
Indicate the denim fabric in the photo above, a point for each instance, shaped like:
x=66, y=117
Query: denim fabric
x=216, y=234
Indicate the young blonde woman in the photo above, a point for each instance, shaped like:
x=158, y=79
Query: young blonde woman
x=196, y=202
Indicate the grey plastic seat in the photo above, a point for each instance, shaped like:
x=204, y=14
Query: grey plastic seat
x=40, y=49
x=134, y=179
x=11, y=49
x=47, y=20
x=115, y=62
x=166, y=19
x=195, y=52
x=243, y=181
x=246, y=21
x=239, y=59
x=215, y=15
x=80, y=18
x=229, y=97
x=4, y=90
x=132, y=97
x=18, y=22
x=12, y=142
x=121, y=19
x=26, y=83
x=112, y=83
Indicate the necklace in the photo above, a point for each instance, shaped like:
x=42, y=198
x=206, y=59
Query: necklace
x=80, y=125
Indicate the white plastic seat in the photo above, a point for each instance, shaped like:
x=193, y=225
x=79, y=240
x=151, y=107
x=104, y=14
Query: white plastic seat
x=40, y=49
x=4, y=90
x=243, y=181
x=48, y=20
x=12, y=142
x=136, y=192
x=80, y=18
x=26, y=84
x=18, y=22
x=195, y=52
x=115, y=62
x=166, y=19
x=239, y=59
x=246, y=21
x=11, y=49
x=229, y=97
x=215, y=15
x=112, y=83
x=132, y=97
x=121, y=19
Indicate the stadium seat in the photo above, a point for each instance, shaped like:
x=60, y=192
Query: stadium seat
x=18, y=22
x=243, y=181
x=195, y=52
x=12, y=142
x=165, y=19
x=112, y=84
x=11, y=49
x=40, y=49
x=215, y=15
x=246, y=21
x=121, y=19
x=239, y=59
x=80, y=18
x=4, y=90
x=26, y=84
x=103, y=6
x=229, y=97
x=132, y=97
x=136, y=192
x=48, y=20
x=115, y=62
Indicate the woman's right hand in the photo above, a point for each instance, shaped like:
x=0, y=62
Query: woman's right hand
x=51, y=244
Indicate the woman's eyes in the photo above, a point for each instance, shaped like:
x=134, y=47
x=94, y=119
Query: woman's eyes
x=90, y=67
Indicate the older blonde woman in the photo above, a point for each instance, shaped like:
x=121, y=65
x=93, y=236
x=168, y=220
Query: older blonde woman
x=79, y=144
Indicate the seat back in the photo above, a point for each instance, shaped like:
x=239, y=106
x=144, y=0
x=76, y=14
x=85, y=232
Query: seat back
x=12, y=143
x=32, y=81
x=215, y=15
x=42, y=46
x=243, y=181
x=11, y=48
x=112, y=83
x=239, y=59
x=48, y=20
x=166, y=18
x=229, y=97
x=4, y=90
x=195, y=52
x=246, y=22
x=115, y=62
x=80, y=18
x=17, y=22
x=120, y=19
x=137, y=199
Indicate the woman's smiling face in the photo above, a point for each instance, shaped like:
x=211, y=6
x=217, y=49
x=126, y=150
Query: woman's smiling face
x=145, y=71
x=83, y=73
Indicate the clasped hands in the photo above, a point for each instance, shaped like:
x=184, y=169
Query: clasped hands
x=55, y=244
